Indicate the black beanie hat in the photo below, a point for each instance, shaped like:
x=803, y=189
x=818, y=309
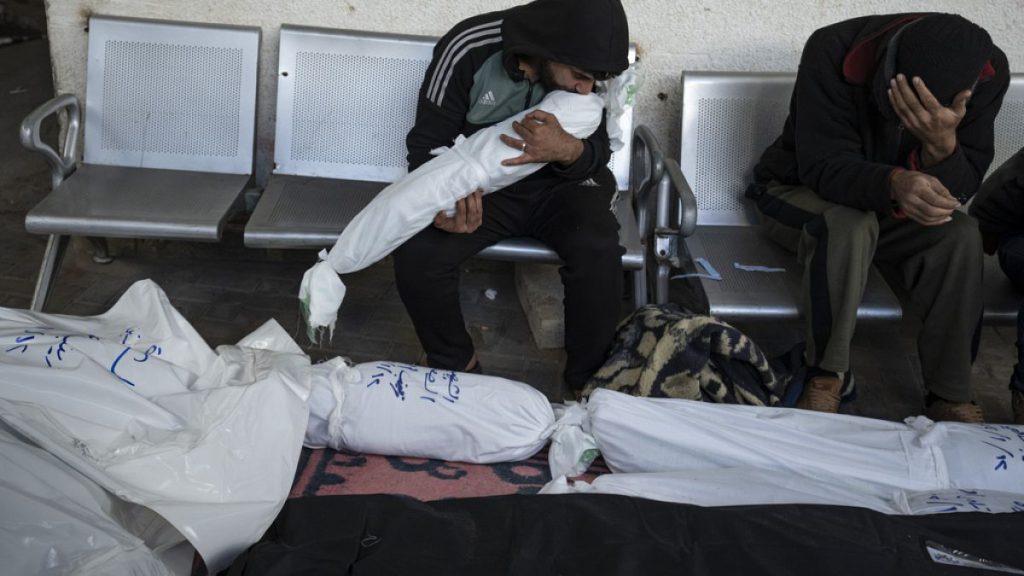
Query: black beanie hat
x=947, y=51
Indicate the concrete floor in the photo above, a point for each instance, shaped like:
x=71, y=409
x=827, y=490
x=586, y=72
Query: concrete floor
x=227, y=290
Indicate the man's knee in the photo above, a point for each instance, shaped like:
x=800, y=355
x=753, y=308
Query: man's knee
x=851, y=227
x=840, y=234
x=586, y=249
x=961, y=239
x=417, y=259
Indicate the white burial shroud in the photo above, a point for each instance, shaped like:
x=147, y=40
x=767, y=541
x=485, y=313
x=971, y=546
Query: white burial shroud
x=410, y=204
x=720, y=454
x=133, y=402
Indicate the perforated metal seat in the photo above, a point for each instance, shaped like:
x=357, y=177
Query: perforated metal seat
x=728, y=119
x=105, y=201
x=345, y=102
x=171, y=114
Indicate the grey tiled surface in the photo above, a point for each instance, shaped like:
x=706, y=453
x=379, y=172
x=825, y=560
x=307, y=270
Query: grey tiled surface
x=227, y=290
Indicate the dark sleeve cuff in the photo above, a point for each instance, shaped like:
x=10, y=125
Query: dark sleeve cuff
x=950, y=171
x=581, y=168
x=898, y=212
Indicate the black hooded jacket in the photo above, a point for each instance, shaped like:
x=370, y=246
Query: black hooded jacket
x=474, y=81
x=999, y=205
x=842, y=143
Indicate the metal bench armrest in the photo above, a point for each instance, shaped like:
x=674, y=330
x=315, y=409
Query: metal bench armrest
x=674, y=180
x=60, y=166
x=645, y=172
x=667, y=238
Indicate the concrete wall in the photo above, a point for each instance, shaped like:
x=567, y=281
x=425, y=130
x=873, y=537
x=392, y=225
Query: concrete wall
x=672, y=35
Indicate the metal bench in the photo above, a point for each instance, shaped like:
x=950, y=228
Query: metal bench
x=170, y=115
x=345, y=102
x=728, y=119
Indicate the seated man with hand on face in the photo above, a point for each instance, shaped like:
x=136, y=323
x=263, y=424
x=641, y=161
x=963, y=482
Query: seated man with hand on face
x=890, y=130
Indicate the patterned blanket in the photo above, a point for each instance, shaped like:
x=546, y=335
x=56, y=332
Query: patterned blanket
x=662, y=351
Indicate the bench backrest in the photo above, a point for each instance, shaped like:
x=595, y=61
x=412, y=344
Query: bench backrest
x=1010, y=123
x=347, y=99
x=728, y=119
x=171, y=95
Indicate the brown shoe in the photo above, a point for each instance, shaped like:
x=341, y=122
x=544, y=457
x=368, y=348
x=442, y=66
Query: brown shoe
x=943, y=410
x=821, y=394
x=1017, y=401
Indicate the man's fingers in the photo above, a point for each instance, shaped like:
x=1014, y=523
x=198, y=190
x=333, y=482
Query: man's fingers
x=937, y=195
x=925, y=213
x=524, y=129
x=476, y=209
x=908, y=95
x=932, y=221
x=926, y=97
x=897, y=104
x=512, y=142
x=468, y=215
x=959, y=106
x=524, y=158
x=541, y=117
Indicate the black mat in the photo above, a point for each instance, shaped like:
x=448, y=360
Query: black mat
x=603, y=534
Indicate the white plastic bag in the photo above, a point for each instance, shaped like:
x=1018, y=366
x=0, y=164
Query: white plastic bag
x=660, y=435
x=573, y=449
x=985, y=456
x=407, y=206
x=759, y=486
x=960, y=500
x=619, y=96
x=56, y=521
x=741, y=487
x=134, y=400
x=404, y=410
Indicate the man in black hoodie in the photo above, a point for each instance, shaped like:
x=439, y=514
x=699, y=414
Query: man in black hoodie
x=999, y=208
x=890, y=130
x=485, y=69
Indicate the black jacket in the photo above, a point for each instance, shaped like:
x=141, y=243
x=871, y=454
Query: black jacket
x=999, y=205
x=841, y=143
x=475, y=66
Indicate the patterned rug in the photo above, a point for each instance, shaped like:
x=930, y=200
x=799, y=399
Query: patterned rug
x=327, y=472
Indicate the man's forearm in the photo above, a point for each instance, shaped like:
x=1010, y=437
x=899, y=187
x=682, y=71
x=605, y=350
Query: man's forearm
x=573, y=152
x=934, y=152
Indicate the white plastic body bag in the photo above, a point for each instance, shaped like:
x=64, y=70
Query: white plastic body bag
x=757, y=486
x=399, y=409
x=709, y=450
x=135, y=401
x=407, y=206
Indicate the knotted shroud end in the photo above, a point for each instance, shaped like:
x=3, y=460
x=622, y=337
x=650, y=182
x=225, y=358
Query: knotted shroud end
x=321, y=293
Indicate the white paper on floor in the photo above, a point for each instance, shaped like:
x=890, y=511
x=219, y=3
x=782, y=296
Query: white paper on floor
x=886, y=463
x=409, y=205
x=405, y=410
x=134, y=400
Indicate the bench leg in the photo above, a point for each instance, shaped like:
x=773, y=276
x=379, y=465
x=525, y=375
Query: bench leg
x=661, y=285
x=100, y=251
x=640, y=287
x=55, y=248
